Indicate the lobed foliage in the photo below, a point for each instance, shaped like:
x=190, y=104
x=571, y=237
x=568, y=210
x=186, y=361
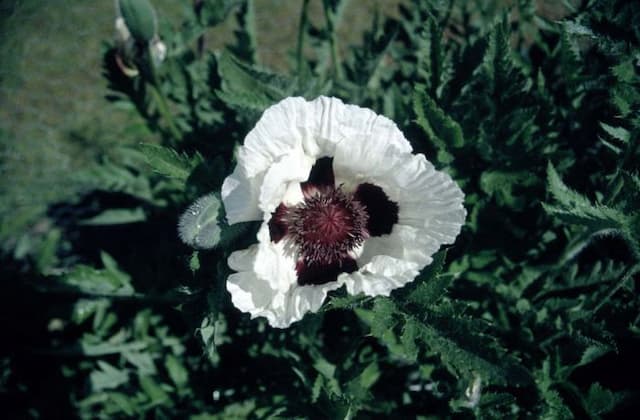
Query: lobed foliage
x=533, y=313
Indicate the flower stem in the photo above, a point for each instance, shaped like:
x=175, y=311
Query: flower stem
x=628, y=275
x=333, y=44
x=200, y=42
x=302, y=28
x=163, y=108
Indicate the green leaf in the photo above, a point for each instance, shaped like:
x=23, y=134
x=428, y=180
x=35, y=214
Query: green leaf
x=431, y=283
x=156, y=394
x=369, y=375
x=245, y=33
x=575, y=28
x=140, y=18
x=115, y=217
x=317, y=388
x=107, y=377
x=123, y=402
x=345, y=302
x=574, y=208
x=408, y=338
x=440, y=128
x=194, y=262
x=592, y=353
x=465, y=350
x=247, y=87
x=617, y=133
x=168, y=162
x=142, y=361
x=103, y=349
x=502, y=186
x=384, y=311
x=177, y=372
x=91, y=280
x=600, y=400
x=108, y=176
x=47, y=255
x=198, y=226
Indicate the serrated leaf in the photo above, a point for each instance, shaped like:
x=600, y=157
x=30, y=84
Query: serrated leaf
x=625, y=71
x=107, y=377
x=345, y=302
x=440, y=128
x=501, y=185
x=168, y=162
x=198, y=225
x=466, y=352
x=600, y=400
x=384, y=311
x=575, y=28
x=576, y=209
x=555, y=407
x=245, y=46
x=91, y=280
x=618, y=133
x=108, y=176
x=431, y=284
x=592, y=353
x=408, y=340
x=246, y=87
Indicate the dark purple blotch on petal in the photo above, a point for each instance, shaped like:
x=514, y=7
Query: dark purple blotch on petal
x=320, y=178
x=383, y=213
x=277, y=224
x=315, y=273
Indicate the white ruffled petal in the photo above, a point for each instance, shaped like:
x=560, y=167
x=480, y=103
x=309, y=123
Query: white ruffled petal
x=274, y=263
x=275, y=135
x=302, y=299
x=250, y=294
x=370, y=140
x=380, y=276
x=240, y=197
x=290, y=169
x=278, y=155
x=244, y=259
x=266, y=284
x=404, y=243
x=427, y=199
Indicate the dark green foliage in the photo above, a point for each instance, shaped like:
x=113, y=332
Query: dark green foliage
x=247, y=88
x=532, y=313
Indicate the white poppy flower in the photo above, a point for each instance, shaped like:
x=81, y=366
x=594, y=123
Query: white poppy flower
x=343, y=201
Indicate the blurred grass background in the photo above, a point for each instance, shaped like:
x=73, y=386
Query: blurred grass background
x=54, y=119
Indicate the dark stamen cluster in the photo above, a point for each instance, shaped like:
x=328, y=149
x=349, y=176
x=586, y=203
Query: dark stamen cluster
x=327, y=225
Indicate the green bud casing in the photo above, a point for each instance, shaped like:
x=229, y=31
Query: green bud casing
x=140, y=18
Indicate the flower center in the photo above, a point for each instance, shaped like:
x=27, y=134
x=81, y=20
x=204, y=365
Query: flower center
x=327, y=225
